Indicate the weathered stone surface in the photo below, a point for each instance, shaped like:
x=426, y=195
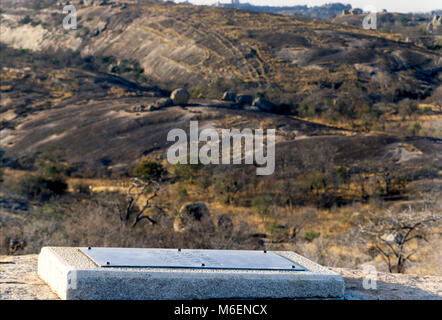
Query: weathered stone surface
x=193, y=216
x=73, y=275
x=229, y=96
x=19, y=280
x=391, y=286
x=180, y=96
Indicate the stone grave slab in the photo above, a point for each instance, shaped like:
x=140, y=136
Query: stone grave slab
x=163, y=274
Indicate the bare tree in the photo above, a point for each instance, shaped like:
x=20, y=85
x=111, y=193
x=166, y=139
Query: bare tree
x=298, y=219
x=392, y=234
x=140, y=188
x=149, y=175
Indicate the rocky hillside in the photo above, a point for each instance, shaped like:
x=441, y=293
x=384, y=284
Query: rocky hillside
x=59, y=85
x=195, y=46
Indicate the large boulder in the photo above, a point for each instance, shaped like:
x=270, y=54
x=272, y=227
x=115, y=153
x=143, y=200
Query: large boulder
x=180, y=96
x=434, y=24
x=229, y=96
x=265, y=105
x=193, y=217
x=352, y=12
x=244, y=100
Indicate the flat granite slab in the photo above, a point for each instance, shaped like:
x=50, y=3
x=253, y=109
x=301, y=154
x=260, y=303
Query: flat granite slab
x=73, y=275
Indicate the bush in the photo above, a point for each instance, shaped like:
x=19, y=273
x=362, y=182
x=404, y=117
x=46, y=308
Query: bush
x=278, y=230
x=182, y=193
x=186, y=172
x=415, y=129
x=311, y=235
x=51, y=172
x=25, y=20
x=228, y=186
x=149, y=170
x=343, y=174
x=41, y=188
x=82, y=188
x=427, y=110
x=263, y=206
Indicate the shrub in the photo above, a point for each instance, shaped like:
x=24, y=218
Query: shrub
x=343, y=174
x=41, y=188
x=311, y=235
x=263, y=206
x=228, y=186
x=415, y=128
x=404, y=21
x=51, y=172
x=81, y=188
x=182, y=192
x=260, y=94
x=25, y=20
x=427, y=110
x=278, y=230
x=186, y=172
x=149, y=170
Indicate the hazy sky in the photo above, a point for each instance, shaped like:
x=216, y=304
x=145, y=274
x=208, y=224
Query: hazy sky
x=392, y=5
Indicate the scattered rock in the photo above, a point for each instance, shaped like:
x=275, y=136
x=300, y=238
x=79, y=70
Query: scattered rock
x=151, y=107
x=434, y=24
x=101, y=26
x=159, y=104
x=95, y=3
x=163, y=103
x=180, y=96
x=352, y=12
x=193, y=216
x=138, y=108
x=244, y=100
x=229, y=96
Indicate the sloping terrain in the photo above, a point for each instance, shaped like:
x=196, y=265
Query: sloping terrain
x=75, y=87
x=196, y=45
x=105, y=129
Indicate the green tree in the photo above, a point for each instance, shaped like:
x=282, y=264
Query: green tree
x=186, y=172
x=263, y=206
x=415, y=129
x=149, y=170
x=311, y=235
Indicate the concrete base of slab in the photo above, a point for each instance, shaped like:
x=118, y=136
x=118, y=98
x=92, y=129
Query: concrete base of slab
x=74, y=276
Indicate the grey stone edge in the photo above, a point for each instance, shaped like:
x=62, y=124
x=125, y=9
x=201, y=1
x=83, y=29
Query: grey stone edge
x=74, y=276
